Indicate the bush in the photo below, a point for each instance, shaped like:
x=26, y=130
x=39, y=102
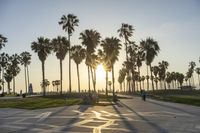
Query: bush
x=2, y=95
x=90, y=98
x=23, y=95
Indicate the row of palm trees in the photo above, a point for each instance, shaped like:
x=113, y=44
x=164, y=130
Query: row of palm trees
x=9, y=66
x=95, y=50
x=106, y=55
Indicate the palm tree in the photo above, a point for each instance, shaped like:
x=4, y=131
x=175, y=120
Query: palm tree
x=198, y=72
x=78, y=55
x=8, y=75
x=126, y=31
x=155, y=70
x=168, y=79
x=90, y=40
x=192, y=65
x=68, y=23
x=3, y=61
x=111, y=47
x=122, y=75
x=15, y=61
x=163, y=67
x=150, y=48
x=3, y=41
x=180, y=78
x=60, y=46
x=26, y=60
x=42, y=47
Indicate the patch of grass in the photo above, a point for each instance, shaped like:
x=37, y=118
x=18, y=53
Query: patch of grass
x=178, y=96
x=38, y=102
x=52, y=101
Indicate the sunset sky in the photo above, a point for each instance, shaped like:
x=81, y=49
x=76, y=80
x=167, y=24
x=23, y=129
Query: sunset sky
x=175, y=24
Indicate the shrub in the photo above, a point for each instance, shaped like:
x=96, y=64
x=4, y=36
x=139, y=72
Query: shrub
x=23, y=95
x=90, y=98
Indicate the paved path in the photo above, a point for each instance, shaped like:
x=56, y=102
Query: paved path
x=127, y=116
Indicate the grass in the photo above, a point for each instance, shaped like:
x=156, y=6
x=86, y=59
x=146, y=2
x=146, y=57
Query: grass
x=178, y=96
x=52, y=101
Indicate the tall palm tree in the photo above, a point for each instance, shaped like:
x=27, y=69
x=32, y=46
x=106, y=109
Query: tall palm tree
x=8, y=75
x=126, y=31
x=155, y=70
x=43, y=48
x=192, y=65
x=90, y=40
x=15, y=61
x=163, y=67
x=111, y=47
x=180, y=78
x=122, y=75
x=68, y=23
x=151, y=48
x=78, y=55
x=60, y=46
x=3, y=41
x=3, y=62
x=198, y=72
x=26, y=60
x=169, y=79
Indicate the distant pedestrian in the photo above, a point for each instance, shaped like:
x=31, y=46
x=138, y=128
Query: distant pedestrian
x=143, y=93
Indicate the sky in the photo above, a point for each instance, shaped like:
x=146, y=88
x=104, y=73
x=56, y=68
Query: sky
x=173, y=23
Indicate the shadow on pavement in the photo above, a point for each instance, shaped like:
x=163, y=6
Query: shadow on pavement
x=125, y=121
x=171, y=107
x=82, y=108
x=153, y=125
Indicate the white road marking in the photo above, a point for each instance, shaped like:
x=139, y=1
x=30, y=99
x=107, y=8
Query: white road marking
x=43, y=116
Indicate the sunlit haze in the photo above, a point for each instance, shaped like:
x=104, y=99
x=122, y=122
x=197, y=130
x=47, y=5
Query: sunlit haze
x=175, y=24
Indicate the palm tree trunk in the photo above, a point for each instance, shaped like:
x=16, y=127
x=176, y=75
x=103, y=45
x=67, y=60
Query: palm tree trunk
x=89, y=78
x=113, y=80
x=70, y=86
x=133, y=78
x=25, y=79
x=61, y=87
x=165, y=84
x=199, y=80
x=106, y=83
x=151, y=77
x=27, y=75
x=3, y=80
x=143, y=84
x=147, y=79
x=93, y=79
x=13, y=84
x=79, y=90
x=124, y=86
x=156, y=85
x=43, y=79
x=139, y=78
x=8, y=87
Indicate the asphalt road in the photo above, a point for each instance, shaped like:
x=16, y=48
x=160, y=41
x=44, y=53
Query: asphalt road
x=127, y=116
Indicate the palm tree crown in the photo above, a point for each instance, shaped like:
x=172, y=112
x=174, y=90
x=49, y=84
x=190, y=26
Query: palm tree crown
x=68, y=22
x=42, y=48
x=60, y=46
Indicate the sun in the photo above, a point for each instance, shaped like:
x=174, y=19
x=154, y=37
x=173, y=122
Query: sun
x=100, y=71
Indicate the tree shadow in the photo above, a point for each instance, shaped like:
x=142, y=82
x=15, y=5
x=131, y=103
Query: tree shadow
x=171, y=107
x=153, y=125
x=125, y=121
x=82, y=108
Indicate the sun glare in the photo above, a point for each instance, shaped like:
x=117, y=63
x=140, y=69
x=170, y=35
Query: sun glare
x=100, y=71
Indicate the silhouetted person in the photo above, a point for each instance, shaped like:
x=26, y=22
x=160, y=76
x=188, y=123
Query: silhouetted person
x=143, y=95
